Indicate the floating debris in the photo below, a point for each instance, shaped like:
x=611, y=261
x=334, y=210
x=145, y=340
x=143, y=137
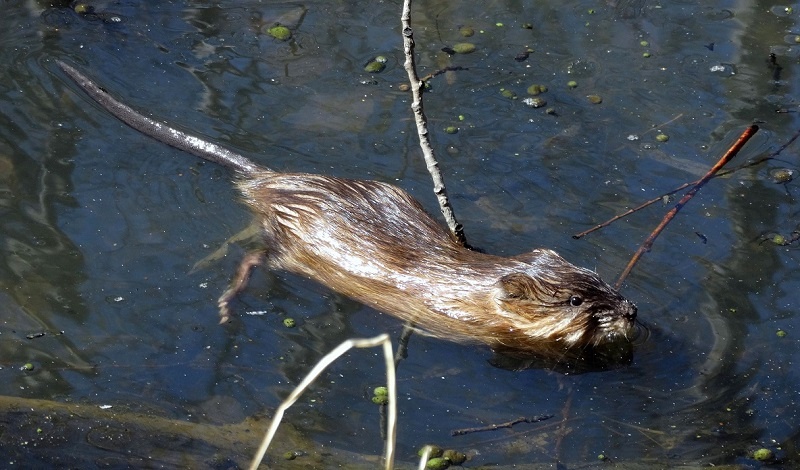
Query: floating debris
x=782, y=175
x=662, y=137
x=466, y=31
x=595, y=99
x=727, y=69
x=534, y=102
x=763, y=454
x=437, y=463
x=380, y=400
x=536, y=89
x=455, y=457
x=380, y=396
x=508, y=93
x=435, y=451
x=522, y=56
x=376, y=65
x=464, y=48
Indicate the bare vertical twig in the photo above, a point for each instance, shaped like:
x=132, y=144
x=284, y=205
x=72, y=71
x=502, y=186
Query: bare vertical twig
x=422, y=127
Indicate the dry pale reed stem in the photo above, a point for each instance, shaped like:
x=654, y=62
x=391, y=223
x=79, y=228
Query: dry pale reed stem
x=381, y=340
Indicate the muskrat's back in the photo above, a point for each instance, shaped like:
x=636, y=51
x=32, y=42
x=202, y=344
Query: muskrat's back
x=375, y=243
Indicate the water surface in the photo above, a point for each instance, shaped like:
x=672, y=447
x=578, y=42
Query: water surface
x=101, y=227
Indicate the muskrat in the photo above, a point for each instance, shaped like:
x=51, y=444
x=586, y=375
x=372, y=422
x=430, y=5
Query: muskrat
x=373, y=242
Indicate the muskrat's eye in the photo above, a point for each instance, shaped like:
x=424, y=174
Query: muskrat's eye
x=575, y=300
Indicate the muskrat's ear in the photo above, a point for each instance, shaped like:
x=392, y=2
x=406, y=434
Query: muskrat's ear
x=517, y=286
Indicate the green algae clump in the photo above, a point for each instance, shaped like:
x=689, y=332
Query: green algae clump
x=763, y=454
x=380, y=400
x=464, y=47
x=455, y=457
x=595, y=99
x=508, y=94
x=435, y=451
x=280, y=32
x=437, y=463
x=374, y=67
x=536, y=89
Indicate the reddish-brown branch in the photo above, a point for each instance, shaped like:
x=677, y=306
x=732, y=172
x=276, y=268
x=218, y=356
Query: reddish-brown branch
x=749, y=164
x=648, y=243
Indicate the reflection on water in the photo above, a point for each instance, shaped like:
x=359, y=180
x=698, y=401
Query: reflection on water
x=101, y=227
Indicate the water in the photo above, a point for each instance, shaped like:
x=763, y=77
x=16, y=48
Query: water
x=101, y=228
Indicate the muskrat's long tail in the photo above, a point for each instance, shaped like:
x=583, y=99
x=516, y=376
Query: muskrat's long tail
x=159, y=131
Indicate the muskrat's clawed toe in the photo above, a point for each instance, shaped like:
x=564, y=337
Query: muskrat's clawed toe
x=224, y=308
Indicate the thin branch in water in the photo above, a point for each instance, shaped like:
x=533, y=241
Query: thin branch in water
x=635, y=209
x=450, y=68
x=749, y=164
x=648, y=243
x=494, y=427
x=422, y=127
x=663, y=124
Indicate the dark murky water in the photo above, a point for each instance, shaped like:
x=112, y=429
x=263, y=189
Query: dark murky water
x=101, y=227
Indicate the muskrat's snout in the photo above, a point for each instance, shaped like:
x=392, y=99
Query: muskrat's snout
x=625, y=313
x=616, y=321
x=625, y=324
x=629, y=310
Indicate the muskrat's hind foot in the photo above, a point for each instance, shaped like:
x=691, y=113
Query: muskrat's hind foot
x=246, y=237
x=250, y=261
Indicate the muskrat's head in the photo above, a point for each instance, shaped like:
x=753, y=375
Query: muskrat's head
x=554, y=302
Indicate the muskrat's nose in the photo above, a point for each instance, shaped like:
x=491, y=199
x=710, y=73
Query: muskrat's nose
x=630, y=312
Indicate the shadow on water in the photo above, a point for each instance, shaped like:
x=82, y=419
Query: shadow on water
x=101, y=227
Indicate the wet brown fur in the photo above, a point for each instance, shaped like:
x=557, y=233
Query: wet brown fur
x=375, y=243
